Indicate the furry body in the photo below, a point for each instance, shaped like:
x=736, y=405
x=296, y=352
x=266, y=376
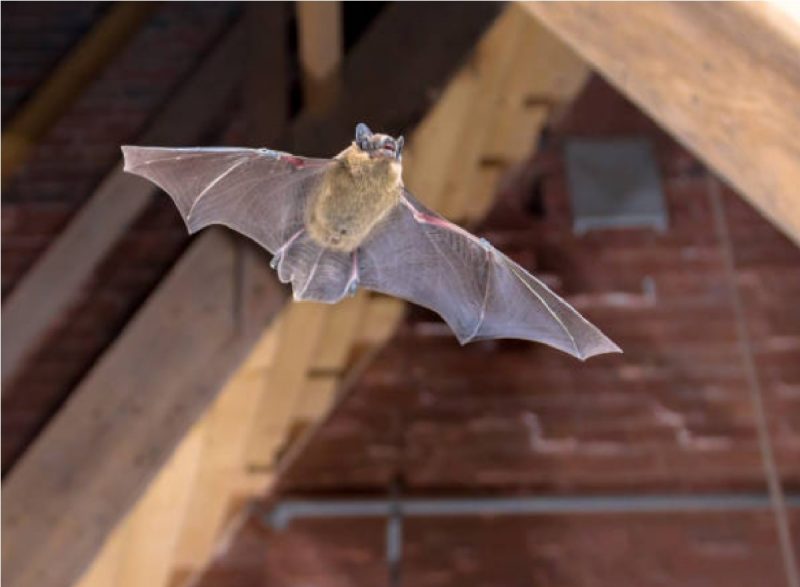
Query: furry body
x=356, y=194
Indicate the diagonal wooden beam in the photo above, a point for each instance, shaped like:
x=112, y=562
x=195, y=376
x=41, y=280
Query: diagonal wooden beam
x=724, y=78
x=124, y=419
x=94, y=466
x=83, y=63
x=55, y=281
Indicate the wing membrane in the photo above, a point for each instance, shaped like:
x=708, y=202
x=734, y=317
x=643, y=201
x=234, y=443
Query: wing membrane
x=258, y=192
x=481, y=293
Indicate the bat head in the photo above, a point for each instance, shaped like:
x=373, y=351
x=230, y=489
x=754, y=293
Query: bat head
x=378, y=144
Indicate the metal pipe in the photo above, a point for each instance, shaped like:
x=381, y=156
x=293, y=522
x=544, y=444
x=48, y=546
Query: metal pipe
x=286, y=510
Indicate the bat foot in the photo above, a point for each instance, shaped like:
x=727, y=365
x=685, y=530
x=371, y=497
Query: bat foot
x=276, y=259
x=352, y=288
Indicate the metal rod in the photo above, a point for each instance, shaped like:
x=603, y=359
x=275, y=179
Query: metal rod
x=287, y=510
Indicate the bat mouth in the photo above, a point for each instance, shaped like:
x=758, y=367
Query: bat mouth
x=386, y=147
x=389, y=149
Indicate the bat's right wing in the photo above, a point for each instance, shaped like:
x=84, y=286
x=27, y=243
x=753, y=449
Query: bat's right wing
x=419, y=256
x=258, y=192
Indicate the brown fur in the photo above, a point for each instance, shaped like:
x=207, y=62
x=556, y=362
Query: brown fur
x=356, y=194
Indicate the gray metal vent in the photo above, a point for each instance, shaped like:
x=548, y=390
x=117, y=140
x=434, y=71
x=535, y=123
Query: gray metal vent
x=614, y=184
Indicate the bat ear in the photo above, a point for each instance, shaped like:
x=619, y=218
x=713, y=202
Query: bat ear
x=362, y=132
x=400, y=142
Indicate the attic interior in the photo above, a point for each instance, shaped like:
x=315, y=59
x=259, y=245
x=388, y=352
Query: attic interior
x=172, y=418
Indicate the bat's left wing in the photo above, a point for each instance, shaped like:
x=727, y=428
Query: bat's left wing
x=260, y=193
x=419, y=256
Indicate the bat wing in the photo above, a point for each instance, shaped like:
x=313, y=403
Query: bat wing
x=482, y=294
x=258, y=192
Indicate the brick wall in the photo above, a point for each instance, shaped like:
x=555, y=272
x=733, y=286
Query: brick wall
x=35, y=39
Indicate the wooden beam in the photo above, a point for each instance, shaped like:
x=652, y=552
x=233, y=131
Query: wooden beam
x=320, y=46
x=55, y=281
x=70, y=77
x=724, y=78
x=122, y=422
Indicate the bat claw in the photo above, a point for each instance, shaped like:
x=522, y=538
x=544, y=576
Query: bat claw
x=352, y=288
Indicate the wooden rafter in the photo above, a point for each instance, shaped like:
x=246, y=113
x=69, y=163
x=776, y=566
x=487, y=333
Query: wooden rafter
x=724, y=78
x=123, y=421
x=296, y=384
x=71, y=76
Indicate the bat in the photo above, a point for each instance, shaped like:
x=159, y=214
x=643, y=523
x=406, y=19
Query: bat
x=334, y=225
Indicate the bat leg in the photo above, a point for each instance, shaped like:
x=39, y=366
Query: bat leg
x=352, y=283
x=279, y=254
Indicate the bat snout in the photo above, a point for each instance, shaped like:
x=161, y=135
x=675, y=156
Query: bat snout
x=378, y=144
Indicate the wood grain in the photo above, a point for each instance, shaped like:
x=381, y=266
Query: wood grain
x=122, y=422
x=723, y=78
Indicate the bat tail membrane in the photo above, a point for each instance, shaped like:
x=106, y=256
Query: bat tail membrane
x=316, y=273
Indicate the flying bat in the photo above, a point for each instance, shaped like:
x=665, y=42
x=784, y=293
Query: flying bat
x=334, y=225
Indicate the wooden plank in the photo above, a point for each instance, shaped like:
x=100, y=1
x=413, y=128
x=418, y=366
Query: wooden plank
x=148, y=533
x=124, y=419
x=320, y=49
x=544, y=76
x=340, y=331
x=724, y=79
x=492, y=66
x=226, y=430
x=71, y=76
x=153, y=526
x=300, y=332
x=55, y=281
